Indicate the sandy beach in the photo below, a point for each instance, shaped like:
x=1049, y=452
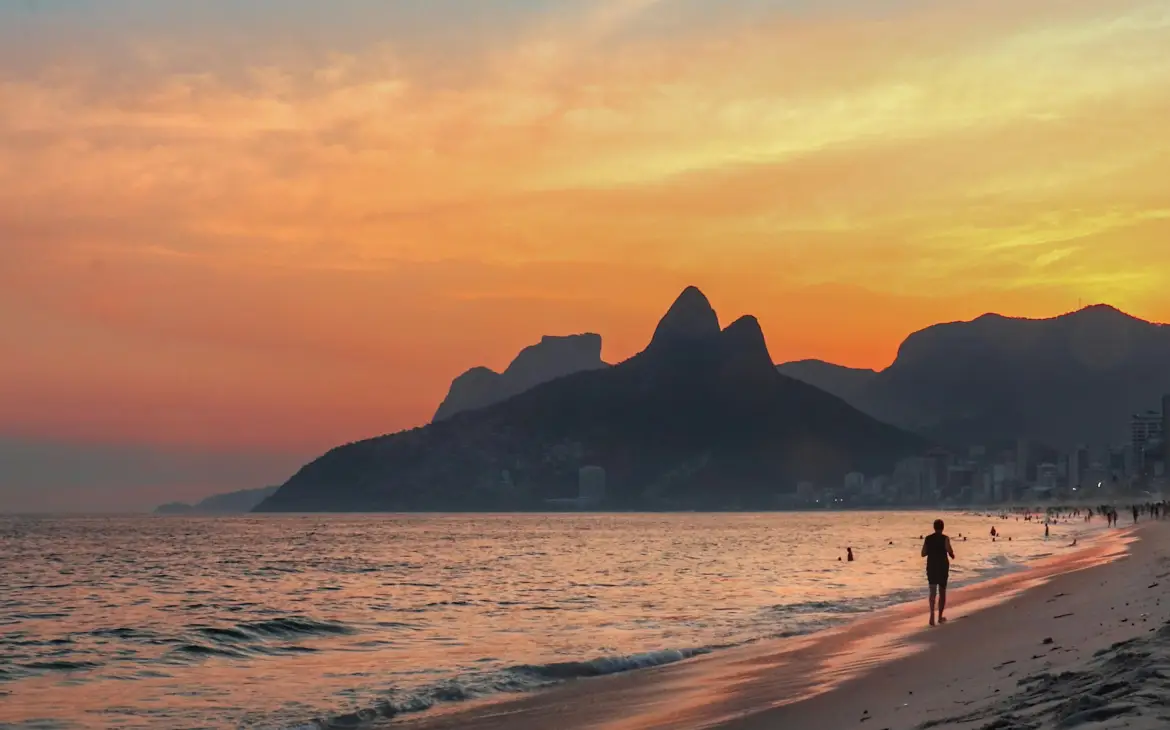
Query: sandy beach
x=1080, y=640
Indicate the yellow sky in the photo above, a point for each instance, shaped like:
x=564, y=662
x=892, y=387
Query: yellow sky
x=280, y=247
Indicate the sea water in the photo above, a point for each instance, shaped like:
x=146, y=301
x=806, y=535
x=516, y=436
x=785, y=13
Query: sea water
x=288, y=621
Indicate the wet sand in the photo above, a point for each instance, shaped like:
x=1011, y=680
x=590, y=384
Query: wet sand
x=1076, y=641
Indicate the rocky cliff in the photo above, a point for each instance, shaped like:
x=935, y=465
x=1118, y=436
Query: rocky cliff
x=551, y=358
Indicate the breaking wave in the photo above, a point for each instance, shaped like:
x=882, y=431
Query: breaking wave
x=522, y=678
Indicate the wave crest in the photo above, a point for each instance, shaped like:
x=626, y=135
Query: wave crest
x=522, y=678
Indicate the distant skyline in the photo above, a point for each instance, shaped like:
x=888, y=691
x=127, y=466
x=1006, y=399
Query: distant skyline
x=235, y=234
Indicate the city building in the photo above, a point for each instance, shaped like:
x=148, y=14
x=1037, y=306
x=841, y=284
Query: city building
x=940, y=460
x=1023, y=459
x=1118, y=463
x=915, y=480
x=1047, y=476
x=1165, y=435
x=985, y=492
x=1166, y=421
x=1078, y=464
x=877, y=487
x=854, y=482
x=1002, y=478
x=961, y=480
x=1145, y=428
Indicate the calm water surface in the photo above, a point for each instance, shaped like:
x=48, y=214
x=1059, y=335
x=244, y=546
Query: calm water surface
x=285, y=622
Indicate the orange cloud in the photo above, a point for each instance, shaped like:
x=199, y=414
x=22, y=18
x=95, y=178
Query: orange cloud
x=300, y=251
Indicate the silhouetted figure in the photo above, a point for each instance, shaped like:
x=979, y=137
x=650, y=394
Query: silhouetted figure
x=849, y=554
x=937, y=550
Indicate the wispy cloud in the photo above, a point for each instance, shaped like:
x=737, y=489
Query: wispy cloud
x=310, y=212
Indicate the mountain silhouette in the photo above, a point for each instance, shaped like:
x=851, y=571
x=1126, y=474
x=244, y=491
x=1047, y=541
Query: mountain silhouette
x=552, y=358
x=699, y=419
x=690, y=319
x=244, y=500
x=1068, y=380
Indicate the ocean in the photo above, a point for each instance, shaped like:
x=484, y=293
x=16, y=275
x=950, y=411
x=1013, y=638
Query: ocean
x=302, y=621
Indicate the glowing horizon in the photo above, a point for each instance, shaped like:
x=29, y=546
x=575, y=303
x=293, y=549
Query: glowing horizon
x=278, y=227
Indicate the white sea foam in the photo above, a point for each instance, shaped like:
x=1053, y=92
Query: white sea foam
x=353, y=618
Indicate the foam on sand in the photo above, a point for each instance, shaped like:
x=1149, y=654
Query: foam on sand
x=1084, y=648
x=522, y=678
x=925, y=674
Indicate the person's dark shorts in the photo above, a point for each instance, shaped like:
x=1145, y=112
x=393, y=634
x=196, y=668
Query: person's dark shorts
x=938, y=577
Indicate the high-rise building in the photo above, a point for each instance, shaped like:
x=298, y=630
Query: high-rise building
x=915, y=480
x=1023, y=459
x=1144, y=428
x=1078, y=464
x=854, y=482
x=1166, y=428
x=1047, y=475
x=1117, y=462
x=941, y=461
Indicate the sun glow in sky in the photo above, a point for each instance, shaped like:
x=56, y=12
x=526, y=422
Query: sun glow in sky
x=265, y=228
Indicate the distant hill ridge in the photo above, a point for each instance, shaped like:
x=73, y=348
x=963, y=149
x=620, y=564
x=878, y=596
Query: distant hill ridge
x=1065, y=380
x=244, y=500
x=699, y=419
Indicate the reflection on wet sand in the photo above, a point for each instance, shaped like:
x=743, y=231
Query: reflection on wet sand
x=734, y=685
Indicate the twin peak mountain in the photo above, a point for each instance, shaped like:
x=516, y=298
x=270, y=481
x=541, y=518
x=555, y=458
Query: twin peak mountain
x=690, y=320
x=700, y=419
x=703, y=419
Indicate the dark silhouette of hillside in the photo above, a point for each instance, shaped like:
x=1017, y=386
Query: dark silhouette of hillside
x=552, y=358
x=1071, y=379
x=245, y=500
x=848, y=384
x=699, y=419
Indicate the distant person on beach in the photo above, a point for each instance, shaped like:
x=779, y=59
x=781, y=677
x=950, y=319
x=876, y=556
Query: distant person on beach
x=849, y=554
x=937, y=550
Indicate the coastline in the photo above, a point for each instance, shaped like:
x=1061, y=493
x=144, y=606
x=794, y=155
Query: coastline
x=1077, y=648
x=823, y=679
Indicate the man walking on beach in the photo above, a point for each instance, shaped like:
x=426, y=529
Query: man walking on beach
x=937, y=550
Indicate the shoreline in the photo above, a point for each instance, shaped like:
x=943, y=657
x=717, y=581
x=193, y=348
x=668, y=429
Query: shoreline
x=1076, y=649
x=671, y=589
x=723, y=688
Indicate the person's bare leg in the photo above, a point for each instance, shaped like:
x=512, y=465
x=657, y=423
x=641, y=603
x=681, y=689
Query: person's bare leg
x=933, y=588
x=942, y=602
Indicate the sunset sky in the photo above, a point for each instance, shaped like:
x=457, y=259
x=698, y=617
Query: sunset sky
x=236, y=233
